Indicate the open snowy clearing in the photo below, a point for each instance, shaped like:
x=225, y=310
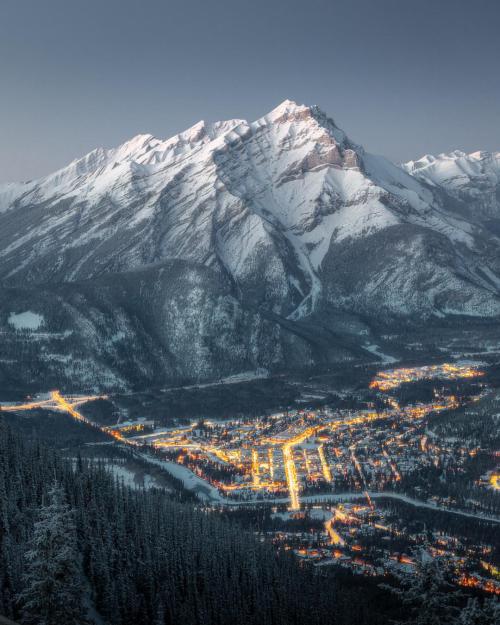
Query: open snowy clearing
x=26, y=320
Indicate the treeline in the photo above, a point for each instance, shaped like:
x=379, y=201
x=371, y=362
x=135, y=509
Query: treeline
x=253, y=398
x=139, y=558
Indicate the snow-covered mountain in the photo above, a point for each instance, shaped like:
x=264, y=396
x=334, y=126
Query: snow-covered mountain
x=473, y=179
x=270, y=234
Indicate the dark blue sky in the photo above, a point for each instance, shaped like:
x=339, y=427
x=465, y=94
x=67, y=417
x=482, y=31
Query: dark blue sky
x=402, y=77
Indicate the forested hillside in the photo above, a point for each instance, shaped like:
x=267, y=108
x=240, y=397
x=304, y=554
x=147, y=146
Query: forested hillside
x=103, y=552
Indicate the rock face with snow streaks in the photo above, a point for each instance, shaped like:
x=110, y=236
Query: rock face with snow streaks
x=241, y=245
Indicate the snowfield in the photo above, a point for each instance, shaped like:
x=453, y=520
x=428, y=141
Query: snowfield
x=26, y=320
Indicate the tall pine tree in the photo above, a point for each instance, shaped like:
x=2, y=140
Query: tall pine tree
x=54, y=580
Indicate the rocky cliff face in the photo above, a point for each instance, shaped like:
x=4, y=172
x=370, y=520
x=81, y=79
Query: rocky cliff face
x=238, y=245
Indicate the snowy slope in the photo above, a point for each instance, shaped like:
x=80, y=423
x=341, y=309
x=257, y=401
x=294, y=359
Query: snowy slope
x=472, y=178
x=262, y=201
x=289, y=221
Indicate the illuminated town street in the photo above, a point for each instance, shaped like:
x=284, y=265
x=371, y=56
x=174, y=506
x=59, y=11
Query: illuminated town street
x=495, y=481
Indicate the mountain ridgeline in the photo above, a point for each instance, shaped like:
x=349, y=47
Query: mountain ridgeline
x=235, y=246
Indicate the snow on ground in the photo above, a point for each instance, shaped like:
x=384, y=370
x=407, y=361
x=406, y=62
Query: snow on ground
x=137, y=479
x=131, y=478
x=206, y=491
x=341, y=497
x=319, y=514
x=26, y=320
x=313, y=396
x=283, y=516
x=375, y=349
x=244, y=376
x=190, y=481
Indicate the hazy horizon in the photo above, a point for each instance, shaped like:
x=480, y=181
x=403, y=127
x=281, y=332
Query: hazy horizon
x=399, y=81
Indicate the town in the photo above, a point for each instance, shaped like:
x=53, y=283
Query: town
x=335, y=482
x=302, y=453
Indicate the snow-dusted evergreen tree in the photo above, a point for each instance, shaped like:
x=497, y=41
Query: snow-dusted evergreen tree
x=54, y=581
x=428, y=595
x=471, y=614
x=491, y=610
x=476, y=614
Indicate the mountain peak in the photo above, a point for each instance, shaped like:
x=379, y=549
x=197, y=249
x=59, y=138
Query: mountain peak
x=134, y=146
x=312, y=116
x=194, y=133
x=288, y=109
x=288, y=105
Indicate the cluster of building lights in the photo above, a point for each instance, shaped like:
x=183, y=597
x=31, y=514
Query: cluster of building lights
x=267, y=461
x=393, y=378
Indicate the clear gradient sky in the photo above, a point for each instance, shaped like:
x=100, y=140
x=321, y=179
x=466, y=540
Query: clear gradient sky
x=402, y=77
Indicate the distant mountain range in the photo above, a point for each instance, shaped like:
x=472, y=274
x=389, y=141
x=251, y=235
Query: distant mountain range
x=235, y=246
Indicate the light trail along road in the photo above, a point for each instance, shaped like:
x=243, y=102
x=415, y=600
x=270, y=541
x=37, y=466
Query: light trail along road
x=56, y=402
